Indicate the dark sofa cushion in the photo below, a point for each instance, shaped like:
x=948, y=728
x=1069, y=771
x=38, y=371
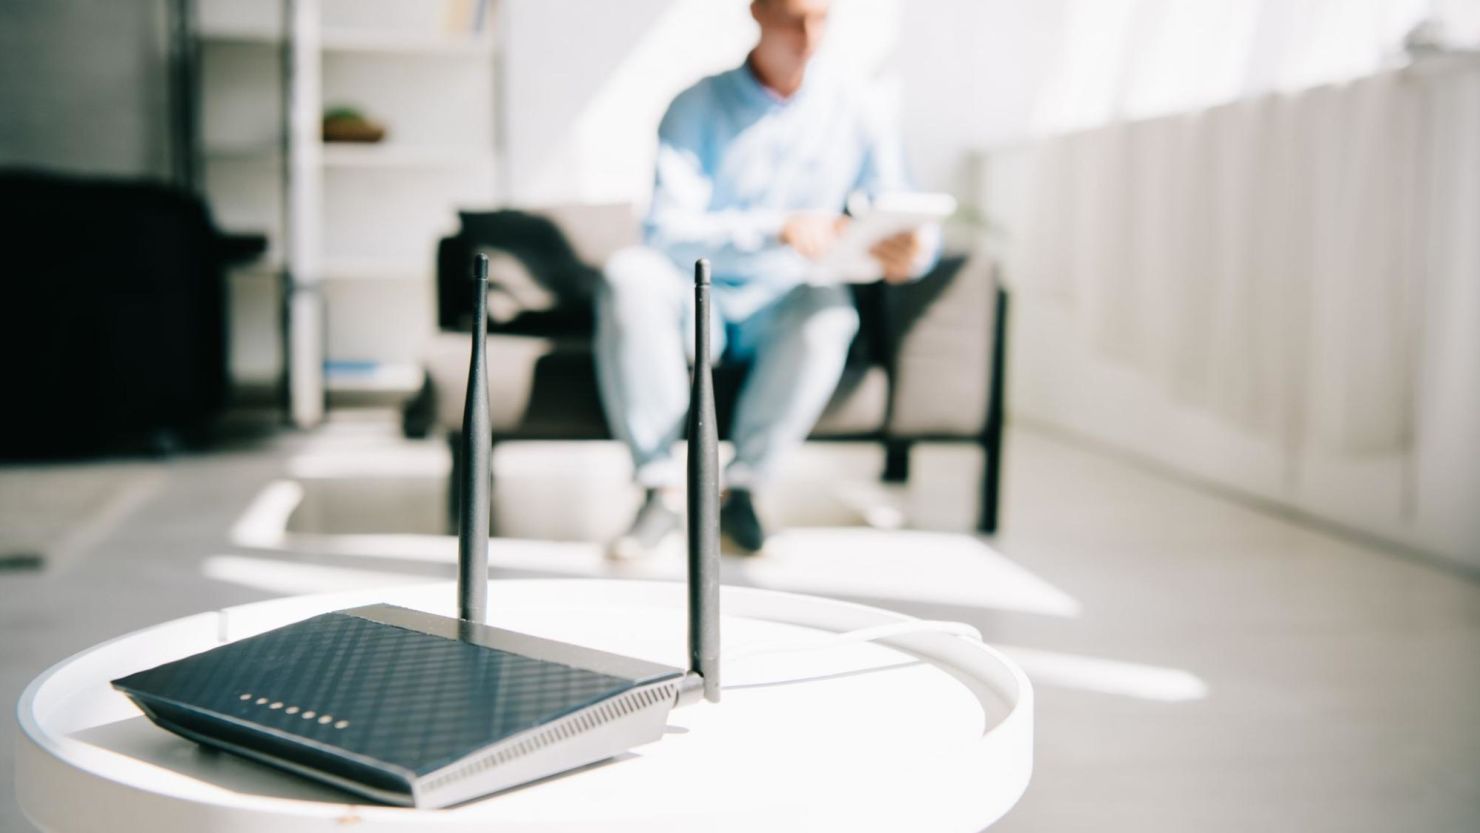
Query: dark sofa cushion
x=542, y=285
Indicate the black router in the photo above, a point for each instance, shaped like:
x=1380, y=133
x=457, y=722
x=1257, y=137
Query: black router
x=412, y=709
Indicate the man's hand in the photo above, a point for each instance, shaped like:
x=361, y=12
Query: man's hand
x=898, y=255
x=812, y=234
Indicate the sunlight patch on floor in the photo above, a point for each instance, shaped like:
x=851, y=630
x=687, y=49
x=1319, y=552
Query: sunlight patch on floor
x=1106, y=676
x=291, y=578
x=933, y=567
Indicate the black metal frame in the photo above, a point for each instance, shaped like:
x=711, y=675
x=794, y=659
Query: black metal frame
x=896, y=448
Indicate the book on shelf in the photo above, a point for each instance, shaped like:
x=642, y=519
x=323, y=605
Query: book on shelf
x=466, y=16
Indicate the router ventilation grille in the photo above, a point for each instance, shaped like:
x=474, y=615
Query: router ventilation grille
x=582, y=721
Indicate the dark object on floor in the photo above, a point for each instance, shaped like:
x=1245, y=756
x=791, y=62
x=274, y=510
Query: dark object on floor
x=739, y=523
x=418, y=414
x=22, y=562
x=538, y=283
x=927, y=365
x=114, y=323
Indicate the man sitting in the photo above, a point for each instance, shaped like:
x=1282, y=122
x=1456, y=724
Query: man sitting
x=754, y=167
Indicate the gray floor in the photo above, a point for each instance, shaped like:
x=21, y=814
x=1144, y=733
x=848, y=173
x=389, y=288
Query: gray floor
x=1200, y=665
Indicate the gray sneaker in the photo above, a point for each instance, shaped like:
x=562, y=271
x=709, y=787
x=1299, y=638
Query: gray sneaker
x=655, y=524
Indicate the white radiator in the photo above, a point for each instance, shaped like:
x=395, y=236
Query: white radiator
x=1280, y=294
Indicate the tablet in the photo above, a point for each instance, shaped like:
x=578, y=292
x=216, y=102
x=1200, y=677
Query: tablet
x=849, y=261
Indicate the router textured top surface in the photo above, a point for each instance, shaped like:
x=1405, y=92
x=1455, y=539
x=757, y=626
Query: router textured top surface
x=392, y=693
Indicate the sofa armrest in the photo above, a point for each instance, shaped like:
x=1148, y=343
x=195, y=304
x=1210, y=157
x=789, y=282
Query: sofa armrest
x=593, y=232
x=942, y=328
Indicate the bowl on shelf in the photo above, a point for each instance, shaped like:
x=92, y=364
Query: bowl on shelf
x=348, y=125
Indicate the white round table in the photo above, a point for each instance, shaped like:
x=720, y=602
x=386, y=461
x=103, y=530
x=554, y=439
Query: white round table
x=920, y=732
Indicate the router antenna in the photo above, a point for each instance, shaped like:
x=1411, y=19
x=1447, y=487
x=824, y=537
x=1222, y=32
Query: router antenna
x=703, y=493
x=503, y=709
x=477, y=438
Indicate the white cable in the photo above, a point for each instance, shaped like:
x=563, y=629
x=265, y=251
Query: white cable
x=872, y=634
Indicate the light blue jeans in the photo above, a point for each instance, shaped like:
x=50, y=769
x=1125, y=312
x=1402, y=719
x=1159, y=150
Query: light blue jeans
x=796, y=346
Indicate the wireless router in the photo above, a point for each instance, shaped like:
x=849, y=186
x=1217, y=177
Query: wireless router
x=408, y=708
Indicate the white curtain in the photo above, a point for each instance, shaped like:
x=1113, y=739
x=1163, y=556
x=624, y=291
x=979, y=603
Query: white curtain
x=1135, y=59
x=1263, y=259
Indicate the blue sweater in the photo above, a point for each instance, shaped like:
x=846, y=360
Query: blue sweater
x=735, y=160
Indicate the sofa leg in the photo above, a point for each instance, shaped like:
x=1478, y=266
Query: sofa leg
x=991, y=488
x=991, y=438
x=896, y=461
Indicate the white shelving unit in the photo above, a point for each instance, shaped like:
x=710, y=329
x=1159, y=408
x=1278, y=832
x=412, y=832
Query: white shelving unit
x=353, y=226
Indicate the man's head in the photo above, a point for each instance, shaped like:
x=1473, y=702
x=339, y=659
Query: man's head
x=791, y=30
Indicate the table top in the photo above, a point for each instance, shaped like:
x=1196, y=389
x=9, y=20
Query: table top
x=921, y=731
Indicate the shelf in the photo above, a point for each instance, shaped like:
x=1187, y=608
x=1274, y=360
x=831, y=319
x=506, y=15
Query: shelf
x=390, y=155
x=372, y=377
x=244, y=36
x=244, y=153
x=365, y=218
x=351, y=41
x=374, y=269
x=431, y=44
x=351, y=155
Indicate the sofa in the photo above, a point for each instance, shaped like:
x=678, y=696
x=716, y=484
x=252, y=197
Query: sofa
x=927, y=364
x=114, y=321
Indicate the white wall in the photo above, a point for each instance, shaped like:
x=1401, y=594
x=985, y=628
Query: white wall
x=586, y=81
x=83, y=87
x=1128, y=59
x=1420, y=490
x=970, y=74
